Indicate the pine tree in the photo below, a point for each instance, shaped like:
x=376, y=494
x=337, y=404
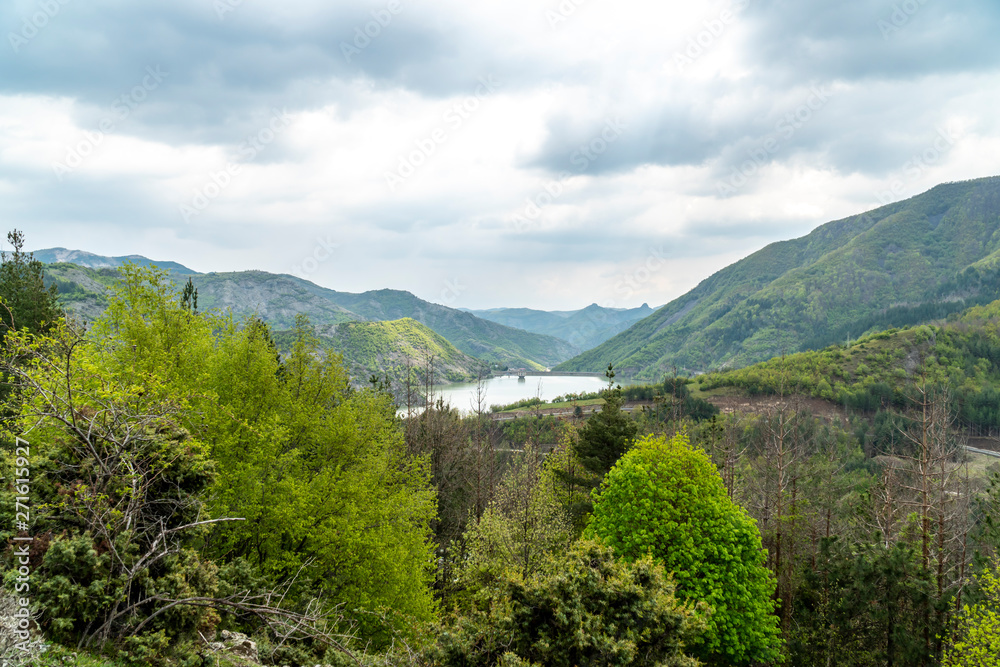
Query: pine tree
x=27, y=304
x=607, y=434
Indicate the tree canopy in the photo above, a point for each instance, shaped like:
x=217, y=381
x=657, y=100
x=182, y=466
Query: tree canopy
x=607, y=434
x=666, y=499
x=977, y=641
x=332, y=503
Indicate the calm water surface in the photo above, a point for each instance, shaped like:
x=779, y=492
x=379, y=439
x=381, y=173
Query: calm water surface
x=504, y=390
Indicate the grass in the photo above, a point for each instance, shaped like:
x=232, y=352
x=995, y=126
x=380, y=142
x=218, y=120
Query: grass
x=980, y=465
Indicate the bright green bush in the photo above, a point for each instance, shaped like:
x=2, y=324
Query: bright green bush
x=665, y=499
x=977, y=640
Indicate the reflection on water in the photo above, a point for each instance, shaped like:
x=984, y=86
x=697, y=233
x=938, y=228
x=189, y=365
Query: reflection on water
x=505, y=390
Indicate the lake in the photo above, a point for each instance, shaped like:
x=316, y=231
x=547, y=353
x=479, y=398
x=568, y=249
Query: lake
x=505, y=390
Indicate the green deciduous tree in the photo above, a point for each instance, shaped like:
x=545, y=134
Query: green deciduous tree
x=119, y=493
x=666, y=499
x=522, y=526
x=330, y=497
x=585, y=608
x=977, y=640
x=572, y=483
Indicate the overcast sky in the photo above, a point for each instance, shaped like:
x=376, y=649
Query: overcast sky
x=483, y=153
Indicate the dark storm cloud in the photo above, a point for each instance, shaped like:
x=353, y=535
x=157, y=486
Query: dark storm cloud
x=223, y=70
x=872, y=39
x=855, y=86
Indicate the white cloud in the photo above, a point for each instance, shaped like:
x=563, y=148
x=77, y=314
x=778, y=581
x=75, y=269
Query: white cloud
x=488, y=203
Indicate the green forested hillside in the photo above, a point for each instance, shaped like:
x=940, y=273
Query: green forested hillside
x=584, y=328
x=879, y=371
x=277, y=299
x=196, y=498
x=479, y=338
x=82, y=290
x=94, y=261
x=900, y=264
x=386, y=348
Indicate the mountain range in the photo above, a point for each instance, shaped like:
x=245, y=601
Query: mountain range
x=389, y=349
x=278, y=298
x=584, y=328
x=900, y=264
x=904, y=263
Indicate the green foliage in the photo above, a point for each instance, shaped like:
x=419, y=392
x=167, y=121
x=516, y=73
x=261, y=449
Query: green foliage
x=116, y=486
x=282, y=297
x=606, y=435
x=27, y=305
x=393, y=347
x=666, y=499
x=864, y=605
x=78, y=587
x=333, y=504
x=874, y=373
x=586, y=608
x=544, y=429
x=977, y=639
x=672, y=400
x=572, y=483
x=523, y=403
x=986, y=531
x=489, y=341
x=522, y=526
x=189, y=297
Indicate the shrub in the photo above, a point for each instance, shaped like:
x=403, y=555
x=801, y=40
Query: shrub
x=666, y=499
x=587, y=609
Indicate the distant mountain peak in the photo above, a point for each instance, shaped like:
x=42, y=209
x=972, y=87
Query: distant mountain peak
x=94, y=261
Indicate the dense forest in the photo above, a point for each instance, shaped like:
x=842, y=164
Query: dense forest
x=198, y=494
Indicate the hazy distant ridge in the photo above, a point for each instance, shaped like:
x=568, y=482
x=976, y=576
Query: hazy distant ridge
x=584, y=328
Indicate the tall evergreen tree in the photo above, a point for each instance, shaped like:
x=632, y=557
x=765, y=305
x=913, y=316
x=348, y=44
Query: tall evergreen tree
x=607, y=434
x=27, y=304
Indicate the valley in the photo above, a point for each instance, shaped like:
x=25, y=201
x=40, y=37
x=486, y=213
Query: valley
x=842, y=391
